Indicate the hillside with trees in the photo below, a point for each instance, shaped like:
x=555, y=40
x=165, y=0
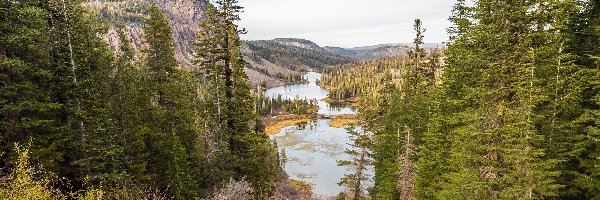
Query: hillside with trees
x=511, y=114
x=286, y=58
x=79, y=121
x=294, y=54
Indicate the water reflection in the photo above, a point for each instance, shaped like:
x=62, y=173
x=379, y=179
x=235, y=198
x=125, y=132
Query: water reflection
x=310, y=91
x=312, y=149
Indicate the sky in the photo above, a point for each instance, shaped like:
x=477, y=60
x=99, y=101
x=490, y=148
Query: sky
x=345, y=23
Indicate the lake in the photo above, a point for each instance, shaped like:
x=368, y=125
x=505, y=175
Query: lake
x=313, y=149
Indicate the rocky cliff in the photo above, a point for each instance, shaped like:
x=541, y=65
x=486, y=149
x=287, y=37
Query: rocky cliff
x=183, y=15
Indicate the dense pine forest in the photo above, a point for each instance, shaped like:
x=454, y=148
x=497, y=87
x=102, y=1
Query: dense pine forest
x=509, y=111
x=77, y=121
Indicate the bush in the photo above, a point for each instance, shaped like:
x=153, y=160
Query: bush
x=20, y=184
x=233, y=190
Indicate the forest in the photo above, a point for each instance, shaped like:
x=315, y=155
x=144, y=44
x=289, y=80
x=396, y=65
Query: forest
x=509, y=110
x=78, y=121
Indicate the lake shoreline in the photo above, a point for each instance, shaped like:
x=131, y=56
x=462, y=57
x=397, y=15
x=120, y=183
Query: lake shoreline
x=313, y=143
x=276, y=123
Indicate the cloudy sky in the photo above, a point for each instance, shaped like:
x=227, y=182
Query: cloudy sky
x=345, y=23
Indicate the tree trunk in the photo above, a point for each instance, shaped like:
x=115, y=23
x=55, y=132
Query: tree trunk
x=82, y=133
x=406, y=172
x=359, y=174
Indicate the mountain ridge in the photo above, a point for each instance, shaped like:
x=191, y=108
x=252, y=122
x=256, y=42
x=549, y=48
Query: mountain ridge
x=271, y=63
x=293, y=56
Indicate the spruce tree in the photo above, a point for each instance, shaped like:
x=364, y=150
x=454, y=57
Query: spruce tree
x=129, y=103
x=27, y=109
x=402, y=125
x=355, y=182
x=579, y=151
x=210, y=51
x=495, y=147
x=245, y=150
x=174, y=141
x=82, y=64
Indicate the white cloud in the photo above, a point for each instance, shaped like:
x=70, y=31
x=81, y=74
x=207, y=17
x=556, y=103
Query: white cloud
x=345, y=23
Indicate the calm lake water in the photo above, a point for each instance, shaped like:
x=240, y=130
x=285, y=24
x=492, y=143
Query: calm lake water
x=313, y=149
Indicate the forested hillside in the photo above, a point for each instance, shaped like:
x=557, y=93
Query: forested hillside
x=284, y=57
x=294, y=54
x=359, y=79
x=513, y=114
x=371, y=53
x=78, y=121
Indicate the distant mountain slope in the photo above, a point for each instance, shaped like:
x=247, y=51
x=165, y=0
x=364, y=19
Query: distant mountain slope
x=371, y=53
x=294, y=54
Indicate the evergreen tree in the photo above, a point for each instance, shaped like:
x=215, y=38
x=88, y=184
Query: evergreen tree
x=402, y=125
x=496, y=151
x=578, y=107
x=435, y=150
x=81, y=64
x=354, y=183
x=247, y=150
x=211, y=51
x=129, y=103
x=174, y=141
x=27, y=109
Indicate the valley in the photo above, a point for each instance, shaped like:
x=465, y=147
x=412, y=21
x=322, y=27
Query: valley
x=171, y=99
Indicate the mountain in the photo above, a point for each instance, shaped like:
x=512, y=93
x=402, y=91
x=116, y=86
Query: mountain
x=275, y=58
x=295, y=54
x=271, y=62
x=371, y=53
x=183, y=16
x=287, y=59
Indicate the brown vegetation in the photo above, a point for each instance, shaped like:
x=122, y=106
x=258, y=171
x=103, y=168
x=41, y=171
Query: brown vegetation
x=275, y=124
x=339, y=121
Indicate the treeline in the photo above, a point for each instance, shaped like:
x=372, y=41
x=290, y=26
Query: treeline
x=273, y=106
x=513, y=116
x=288, y=79
x=91, y=119
x=368, y=77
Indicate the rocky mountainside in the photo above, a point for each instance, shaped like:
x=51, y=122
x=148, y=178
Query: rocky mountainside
x=183, y=15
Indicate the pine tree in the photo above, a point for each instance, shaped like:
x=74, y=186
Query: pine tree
x=82, y=64
x=173, y=135
x=434, y=149
x=247, y=150
x=210, y=52
x=495, y=147
x=27, y=111
x=355, y=182
x=129, y=101
x=403, y=124
x=578, y=115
